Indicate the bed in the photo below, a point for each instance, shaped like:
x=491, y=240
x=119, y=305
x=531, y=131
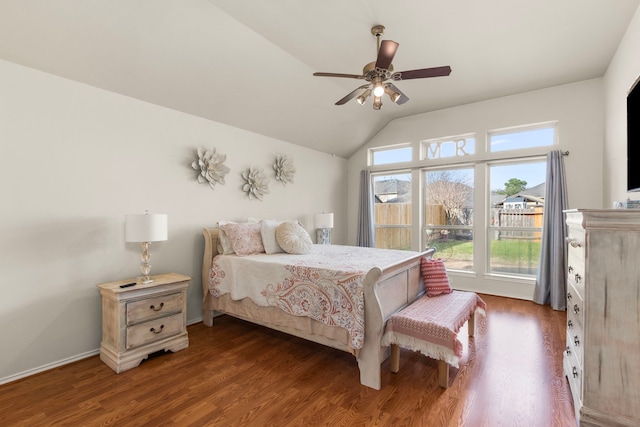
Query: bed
x=384, y=288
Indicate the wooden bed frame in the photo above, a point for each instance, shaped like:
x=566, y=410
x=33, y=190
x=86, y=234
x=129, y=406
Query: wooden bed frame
x=385, y=292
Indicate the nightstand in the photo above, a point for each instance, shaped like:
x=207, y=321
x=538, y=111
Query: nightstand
x=142, y=319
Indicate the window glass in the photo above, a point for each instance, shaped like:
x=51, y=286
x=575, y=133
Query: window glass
x=517, y=209
x=383, y=156
x=392, y=211
x=448, y=147
x=503, y=141
x=448, y=215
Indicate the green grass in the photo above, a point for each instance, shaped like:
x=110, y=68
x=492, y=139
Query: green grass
x=502, y=251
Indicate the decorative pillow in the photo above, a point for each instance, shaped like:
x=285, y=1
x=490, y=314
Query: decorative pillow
x=269, y=240
x=245, y=238
x=293, y=238
x=434, y=275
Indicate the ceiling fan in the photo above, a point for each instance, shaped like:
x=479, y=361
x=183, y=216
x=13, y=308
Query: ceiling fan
x=377, y=73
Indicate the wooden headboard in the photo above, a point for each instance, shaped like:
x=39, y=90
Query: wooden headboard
x=210, y=251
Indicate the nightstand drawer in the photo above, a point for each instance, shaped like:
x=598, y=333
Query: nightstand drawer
x=152, y=308
x=155, y=330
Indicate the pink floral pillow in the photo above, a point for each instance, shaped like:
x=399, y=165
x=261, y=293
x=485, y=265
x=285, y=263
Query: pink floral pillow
x=434, y=275
x=245, y=238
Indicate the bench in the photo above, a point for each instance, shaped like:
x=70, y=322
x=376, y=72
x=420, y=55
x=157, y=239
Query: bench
x=430, y=326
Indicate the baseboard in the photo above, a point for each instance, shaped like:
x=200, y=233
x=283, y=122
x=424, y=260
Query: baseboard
x=48, y=366
x=65, y=361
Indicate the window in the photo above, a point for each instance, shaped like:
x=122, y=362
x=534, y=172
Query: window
x=459, y=146
x=392, y=211
x=448, y=215
x=522, y=138
x=480, y=205
x=517, y=208
x=396, y=154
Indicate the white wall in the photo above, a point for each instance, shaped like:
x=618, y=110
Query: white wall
x=577, y=107
x=74, y=160
x=623, y=71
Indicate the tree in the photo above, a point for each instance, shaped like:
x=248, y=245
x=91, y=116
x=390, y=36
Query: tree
x=513, y=186
x=451, y=190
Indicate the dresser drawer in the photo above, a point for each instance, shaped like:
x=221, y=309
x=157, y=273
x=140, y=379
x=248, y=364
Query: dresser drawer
x=152, y=308
x=575, y=306
x=154, y=330
x=573, y=372
x=576, y=270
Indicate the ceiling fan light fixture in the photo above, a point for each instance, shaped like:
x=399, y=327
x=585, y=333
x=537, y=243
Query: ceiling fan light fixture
x=377, y=102
x=392, y=94
x=363, y=98
x=378, y=90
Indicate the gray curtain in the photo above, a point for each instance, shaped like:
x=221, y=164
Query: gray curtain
x=366, y=236
x=551, y=280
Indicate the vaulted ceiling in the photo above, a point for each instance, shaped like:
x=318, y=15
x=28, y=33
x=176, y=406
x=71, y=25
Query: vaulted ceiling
x=249, y=64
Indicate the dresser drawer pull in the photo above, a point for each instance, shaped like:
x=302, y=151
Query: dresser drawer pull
x=569, y=296
x=578, y=278
x=575, y=243
x=568, y=351
x=569, y=324
x=161, y=328
x=576, y=309
x=570, y=269
x=153, y=307
x=575, y=372
x=576, y=341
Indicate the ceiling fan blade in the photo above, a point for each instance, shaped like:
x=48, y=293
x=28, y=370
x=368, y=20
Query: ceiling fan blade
x=353, y=94
x=350, y=76
x=403, y=98
x=386, y=53
x=422, y=73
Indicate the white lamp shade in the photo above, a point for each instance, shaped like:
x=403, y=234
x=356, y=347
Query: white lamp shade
x=323, y=220
x=145, y=227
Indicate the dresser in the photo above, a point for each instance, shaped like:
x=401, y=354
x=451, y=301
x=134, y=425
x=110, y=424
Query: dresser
x=142, y=319
x=602, y=355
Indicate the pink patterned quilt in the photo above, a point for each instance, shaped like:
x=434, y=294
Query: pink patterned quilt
x=325, y=285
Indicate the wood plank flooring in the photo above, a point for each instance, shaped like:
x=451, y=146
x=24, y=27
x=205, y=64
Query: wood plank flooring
x=239, y=374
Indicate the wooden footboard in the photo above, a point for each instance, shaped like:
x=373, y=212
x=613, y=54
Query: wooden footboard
x=385, y=292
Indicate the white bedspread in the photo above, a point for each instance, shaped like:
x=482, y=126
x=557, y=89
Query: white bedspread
x=325, y=285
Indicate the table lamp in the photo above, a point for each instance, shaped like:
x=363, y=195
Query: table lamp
x=145, y=228
x=324, y=224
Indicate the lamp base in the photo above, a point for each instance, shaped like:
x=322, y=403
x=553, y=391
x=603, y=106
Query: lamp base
x=323, y=236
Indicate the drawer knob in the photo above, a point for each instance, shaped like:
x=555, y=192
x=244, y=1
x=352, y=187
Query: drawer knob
x=575, y=243
x=575, y=372
x=570, y=269
x=569, y=296
x=158, y=331
x=568, y=351
x=576, y=309
x=569, y=324
x=576, y=341
x=153, y=307
x=578, y=278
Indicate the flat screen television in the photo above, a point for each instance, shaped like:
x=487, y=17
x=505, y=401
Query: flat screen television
x=633, y=138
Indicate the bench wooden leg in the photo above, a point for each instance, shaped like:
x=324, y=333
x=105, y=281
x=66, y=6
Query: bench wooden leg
x=472, y=324
x=395, y=358
x=443, y=374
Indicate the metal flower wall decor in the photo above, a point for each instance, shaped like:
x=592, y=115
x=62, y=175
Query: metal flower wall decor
x=256, y=183
x=211, y=167
x=284, y=169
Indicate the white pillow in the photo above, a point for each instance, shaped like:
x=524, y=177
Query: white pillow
x=269, y=240
x=293, y=238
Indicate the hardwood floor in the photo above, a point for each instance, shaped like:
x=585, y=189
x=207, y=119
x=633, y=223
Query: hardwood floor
x=239, y=374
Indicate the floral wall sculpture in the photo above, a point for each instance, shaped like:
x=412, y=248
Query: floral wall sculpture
x=211, y=166
x=284, y=169
x=256, y=183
